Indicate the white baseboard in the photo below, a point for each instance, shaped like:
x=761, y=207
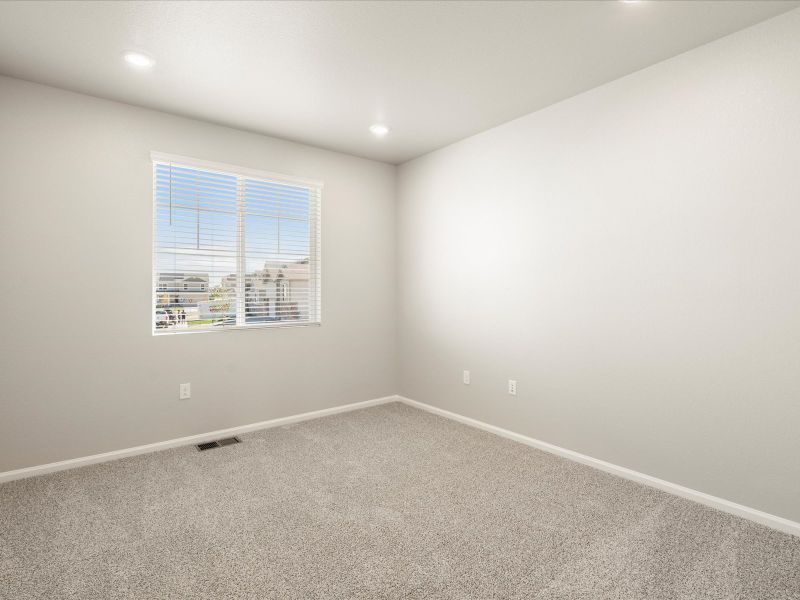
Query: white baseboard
x=185, y=441
x=773, y=521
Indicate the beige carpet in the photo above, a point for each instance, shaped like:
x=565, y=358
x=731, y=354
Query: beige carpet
x=387, y=502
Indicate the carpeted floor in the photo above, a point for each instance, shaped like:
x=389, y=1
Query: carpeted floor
x=387, y=502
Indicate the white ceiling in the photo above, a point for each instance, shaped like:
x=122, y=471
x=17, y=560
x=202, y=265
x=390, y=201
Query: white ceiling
x=322, y=72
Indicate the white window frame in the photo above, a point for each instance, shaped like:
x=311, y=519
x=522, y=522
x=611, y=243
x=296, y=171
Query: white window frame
x=315, y=245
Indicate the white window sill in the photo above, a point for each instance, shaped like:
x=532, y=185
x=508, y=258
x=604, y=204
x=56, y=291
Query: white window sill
x=276, y=325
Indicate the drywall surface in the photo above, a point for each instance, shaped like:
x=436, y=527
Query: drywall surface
x=81, y=372
x=630, y=257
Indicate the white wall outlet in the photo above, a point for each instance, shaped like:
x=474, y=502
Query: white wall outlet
x=186, y=391
x=466, y=377
x=512, y=387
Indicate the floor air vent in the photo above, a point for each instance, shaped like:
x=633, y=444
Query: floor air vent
x=219, y=443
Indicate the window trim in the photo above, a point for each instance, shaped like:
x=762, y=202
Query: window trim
x=315, y=237
x=230, y=169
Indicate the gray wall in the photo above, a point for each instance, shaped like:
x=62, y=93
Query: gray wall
x=630, y=256
x=81, y=372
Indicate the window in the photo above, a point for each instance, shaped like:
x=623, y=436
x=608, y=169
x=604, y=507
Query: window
x=233, y=247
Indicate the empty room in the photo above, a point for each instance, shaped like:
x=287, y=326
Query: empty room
x=459, y=300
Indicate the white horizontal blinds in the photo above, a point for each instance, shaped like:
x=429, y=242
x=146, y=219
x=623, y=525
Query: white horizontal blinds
x=233, y=250
x=280, y=267
x=195, y=247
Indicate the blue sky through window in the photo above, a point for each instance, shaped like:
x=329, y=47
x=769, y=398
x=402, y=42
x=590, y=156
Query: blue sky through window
x=196, y=222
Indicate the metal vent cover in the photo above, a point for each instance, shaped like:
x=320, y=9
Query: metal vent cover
x=218, y=443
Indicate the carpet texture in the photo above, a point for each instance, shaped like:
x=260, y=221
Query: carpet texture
x=386, y=502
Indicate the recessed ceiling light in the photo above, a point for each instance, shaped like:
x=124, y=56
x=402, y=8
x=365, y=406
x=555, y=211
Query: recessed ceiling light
x=138, y=60
x=379, y=129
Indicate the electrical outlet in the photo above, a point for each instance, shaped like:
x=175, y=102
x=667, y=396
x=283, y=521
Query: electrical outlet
x=186, y=391
x=512, y=387
x=466, y=377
